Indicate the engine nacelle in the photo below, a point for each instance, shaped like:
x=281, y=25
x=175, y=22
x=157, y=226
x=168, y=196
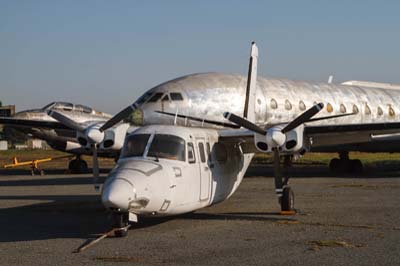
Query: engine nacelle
x=114, y=137
x=292, y=141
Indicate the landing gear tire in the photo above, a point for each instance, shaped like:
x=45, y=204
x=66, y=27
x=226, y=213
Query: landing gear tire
x=120, y=222
x=343, y=166
x=287, y=199
x=78, y=166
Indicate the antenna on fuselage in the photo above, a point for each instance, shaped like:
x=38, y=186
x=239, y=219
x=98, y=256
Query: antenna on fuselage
x=249, y=105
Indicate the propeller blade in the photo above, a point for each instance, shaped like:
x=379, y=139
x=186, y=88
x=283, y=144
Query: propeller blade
x=95, y=168
x=304, y=117
x=277, y=173
x=244, y=123
x=118, y=117
x=66, y=121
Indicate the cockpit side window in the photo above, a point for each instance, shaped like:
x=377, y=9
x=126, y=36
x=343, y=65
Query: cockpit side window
x=191, y=154
x=167, y=147
x=66, y=106
x=83, y=108
x=176, y=96
x=165, y=98
x=135, y=145
x=144, y=97
x=156, y=97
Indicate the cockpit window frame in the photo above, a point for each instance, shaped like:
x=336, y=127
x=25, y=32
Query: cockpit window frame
x=152, y=138
x=156, y=97
x=176, y=96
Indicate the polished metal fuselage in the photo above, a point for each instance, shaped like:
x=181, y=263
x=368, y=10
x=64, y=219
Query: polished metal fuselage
x=209, y=95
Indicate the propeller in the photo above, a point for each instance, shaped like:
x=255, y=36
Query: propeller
x=118, y=117
x=92, y=134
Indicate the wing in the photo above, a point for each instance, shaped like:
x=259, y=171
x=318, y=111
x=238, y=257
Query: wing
x=370, y=137
x=373, y=137
x=31, y=123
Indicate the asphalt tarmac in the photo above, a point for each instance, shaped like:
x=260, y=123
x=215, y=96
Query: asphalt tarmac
x=341, y=221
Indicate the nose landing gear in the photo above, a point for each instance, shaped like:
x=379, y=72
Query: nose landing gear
x=120, y=222
x=284, y=192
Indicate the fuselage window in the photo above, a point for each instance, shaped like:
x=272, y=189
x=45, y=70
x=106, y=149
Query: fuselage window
x=202, y=153
x=191, y=154
x=176, y=96
x=168, y=147
x=288, y=105
x=302, y=106
x=355, y=109
x=329, y=108
x=135, y=145
x=367, y=110
x=273, y=104
x=221, y=153
x=208, y=151
x=156, y=97
x=391, y=112
x=342, y=108
x=380, y=111
x=165, y=98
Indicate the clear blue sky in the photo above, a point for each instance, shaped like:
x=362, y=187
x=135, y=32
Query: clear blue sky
x=106, y=53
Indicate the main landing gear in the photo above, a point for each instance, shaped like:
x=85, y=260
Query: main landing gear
x=344, y=165
x=284, y=192
x=78, y=166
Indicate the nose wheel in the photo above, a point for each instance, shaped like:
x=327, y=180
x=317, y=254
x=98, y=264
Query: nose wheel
x=283, y=191
x=120, y=222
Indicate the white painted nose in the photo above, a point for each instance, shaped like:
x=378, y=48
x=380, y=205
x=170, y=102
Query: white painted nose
x=117, y=195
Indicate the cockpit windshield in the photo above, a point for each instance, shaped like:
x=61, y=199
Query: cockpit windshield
x=168, y=147
x=135, y=145
x=161, y=146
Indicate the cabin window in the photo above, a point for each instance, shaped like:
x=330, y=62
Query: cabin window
x=380, y=111
x=167, y=147
x=274, y=104
x=391, y=112
x=202, y=153
x=367, y=110
x=302, y=106
x=176, y=96
x=221, y=154
x=156, y=97
x=135, y=145
x=329, y=108
x=342, y=108
x=355, y=109
x=288, y=105
x=165, y=98
x=191, y=154
x=208, y=151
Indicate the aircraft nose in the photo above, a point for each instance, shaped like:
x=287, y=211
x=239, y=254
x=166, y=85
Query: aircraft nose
x=117, y=195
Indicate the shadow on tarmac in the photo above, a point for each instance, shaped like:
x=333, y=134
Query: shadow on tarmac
x=83, y=216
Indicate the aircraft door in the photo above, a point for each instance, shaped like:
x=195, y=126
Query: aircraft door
x=205, y=174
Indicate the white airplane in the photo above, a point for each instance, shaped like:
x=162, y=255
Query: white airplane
x=200, y=158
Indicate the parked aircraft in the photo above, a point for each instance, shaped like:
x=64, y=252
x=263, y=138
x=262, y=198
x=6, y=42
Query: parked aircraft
x=201, y=158
x=38, y=124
